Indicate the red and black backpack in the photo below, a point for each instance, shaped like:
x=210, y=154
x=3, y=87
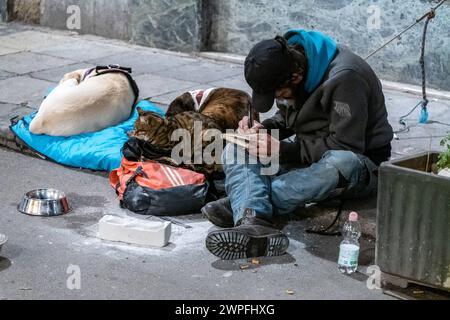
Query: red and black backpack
x=152, y=188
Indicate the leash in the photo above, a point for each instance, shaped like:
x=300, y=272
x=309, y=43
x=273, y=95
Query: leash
x=325, y=232
x=424, y=102
x=115, y=68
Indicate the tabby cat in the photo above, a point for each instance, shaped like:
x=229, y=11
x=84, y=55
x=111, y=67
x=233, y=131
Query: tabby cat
x=156, y=130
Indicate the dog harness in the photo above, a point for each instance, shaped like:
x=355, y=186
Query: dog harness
x=200, y=96
x=114, y=68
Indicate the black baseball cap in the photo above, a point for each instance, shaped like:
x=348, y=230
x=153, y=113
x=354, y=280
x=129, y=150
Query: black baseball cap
x=268, y=66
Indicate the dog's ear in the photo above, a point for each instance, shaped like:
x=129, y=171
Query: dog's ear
x=77, y=75
x=140, y=111
x=181, y=104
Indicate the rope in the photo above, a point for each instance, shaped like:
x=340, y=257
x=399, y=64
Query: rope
x=424, y=116
x=325, y=232
x=424, y=103
x=402, y=120
x=406, y=29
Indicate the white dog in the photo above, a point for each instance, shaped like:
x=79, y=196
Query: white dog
x=86, y=101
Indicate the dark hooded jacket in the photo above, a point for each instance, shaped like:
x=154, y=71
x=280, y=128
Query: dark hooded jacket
x=346, y=111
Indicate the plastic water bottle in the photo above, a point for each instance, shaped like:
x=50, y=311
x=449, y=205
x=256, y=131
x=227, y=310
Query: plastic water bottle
x=349, y=248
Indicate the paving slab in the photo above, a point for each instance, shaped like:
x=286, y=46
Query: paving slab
x=5, y=50
x=81, y=50
x=22, y=89
x=237, y=82
x=5, y=75
x=56, y=74
x=151, y=85
x=203, y=71
x=144, y=61
x=10, y=110
x=419, y=137
x=29, y=40
x=167, y=98
x=25, y=62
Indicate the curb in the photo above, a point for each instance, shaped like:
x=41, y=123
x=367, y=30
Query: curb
x=7, y=140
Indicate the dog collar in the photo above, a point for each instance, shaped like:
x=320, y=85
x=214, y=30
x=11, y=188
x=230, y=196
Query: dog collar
x=200, y=96
x=88, y=72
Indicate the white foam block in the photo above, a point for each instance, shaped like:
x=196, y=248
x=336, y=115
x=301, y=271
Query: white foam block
x=134, y=231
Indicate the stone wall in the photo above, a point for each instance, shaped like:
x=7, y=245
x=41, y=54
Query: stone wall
x=107, y=18
x=168, y=24
x=28, y=11
x=233, y=26
x=3, y=10
x=237, y=25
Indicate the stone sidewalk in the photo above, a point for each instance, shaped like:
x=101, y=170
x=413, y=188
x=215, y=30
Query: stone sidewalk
x=33, y=59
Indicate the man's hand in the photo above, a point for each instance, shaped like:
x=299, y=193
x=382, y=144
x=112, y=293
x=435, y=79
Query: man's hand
x=244, y=129
x=266, y=146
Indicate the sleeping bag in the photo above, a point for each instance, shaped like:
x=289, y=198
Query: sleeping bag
x=96, y=151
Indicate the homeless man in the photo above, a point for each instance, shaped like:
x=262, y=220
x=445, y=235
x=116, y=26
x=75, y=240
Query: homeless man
x=332, y=101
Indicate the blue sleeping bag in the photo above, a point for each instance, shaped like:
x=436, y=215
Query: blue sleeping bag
x=96, y=151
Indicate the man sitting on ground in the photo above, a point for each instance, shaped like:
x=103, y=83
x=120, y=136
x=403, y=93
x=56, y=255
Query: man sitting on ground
x=332, y=101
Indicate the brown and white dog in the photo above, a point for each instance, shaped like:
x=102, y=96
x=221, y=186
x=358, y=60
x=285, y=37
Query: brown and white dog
x=224, y=105
x=85, y=101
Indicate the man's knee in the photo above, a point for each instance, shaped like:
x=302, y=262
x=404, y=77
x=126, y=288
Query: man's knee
x=236, y=155
x=228, y=154
x=233, y=154
x=347, y=163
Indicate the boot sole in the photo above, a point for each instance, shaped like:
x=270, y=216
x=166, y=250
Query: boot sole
x=232, y=245
x=215, y=221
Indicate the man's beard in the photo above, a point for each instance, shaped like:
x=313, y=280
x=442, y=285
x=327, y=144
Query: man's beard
x=298, y=97
x=285, y=103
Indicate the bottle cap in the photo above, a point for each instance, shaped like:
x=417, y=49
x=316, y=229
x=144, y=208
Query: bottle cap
x=353, y=216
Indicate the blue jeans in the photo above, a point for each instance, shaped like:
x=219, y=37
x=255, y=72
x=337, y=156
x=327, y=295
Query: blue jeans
x=294, y=187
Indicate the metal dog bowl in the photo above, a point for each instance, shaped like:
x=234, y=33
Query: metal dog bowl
x=45, y=202
x=3, y=240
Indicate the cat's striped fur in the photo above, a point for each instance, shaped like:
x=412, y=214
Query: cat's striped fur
x=153, y=128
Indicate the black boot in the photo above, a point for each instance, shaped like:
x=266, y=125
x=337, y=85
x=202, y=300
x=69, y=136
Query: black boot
x=252, y=237
x=219, y=213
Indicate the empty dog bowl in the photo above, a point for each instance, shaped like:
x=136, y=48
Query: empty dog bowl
x=44, y=202
x=3, y=240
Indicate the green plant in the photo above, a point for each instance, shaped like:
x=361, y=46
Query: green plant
x=444, y=157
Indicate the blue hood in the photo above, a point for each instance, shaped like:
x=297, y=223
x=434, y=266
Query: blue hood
x=320, y=51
